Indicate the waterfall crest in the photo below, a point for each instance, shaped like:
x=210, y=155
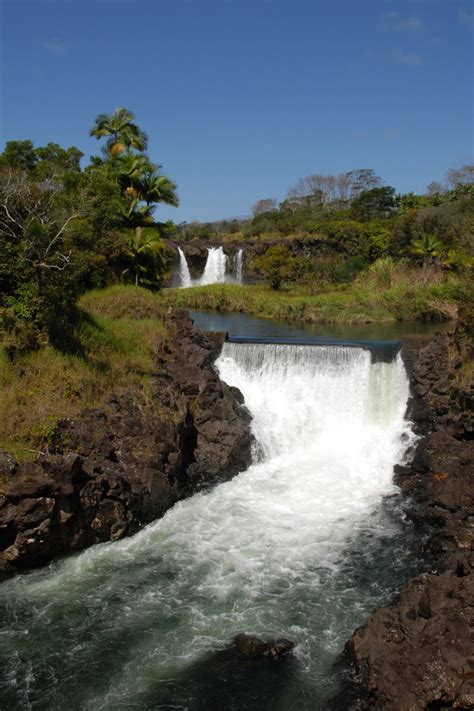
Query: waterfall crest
x=308, y=398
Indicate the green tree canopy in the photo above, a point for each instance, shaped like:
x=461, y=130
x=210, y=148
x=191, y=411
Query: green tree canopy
x=124, y=134
x=371, y=204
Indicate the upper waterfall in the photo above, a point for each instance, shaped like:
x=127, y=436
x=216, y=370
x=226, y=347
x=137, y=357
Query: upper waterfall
x=239, y=266
x=184, y=273
x=215, y=270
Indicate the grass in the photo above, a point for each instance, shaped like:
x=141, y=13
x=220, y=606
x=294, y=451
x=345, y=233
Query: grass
x=369, y=299
x=120, y=336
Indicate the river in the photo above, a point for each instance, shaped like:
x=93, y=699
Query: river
x=304, y=544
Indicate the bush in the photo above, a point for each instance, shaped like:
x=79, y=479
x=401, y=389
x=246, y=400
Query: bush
x=276, y=265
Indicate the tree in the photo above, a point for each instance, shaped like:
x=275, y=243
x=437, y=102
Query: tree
x=262, y=206
x=362, y=180
x=427, y=247
x=141, y=183
x=333, y=190
x=460, y=176
x=153, y=188
x=276, y=265
x=435, y=188
x=124, y=133
x=38, y=279
x=55, y=162
x=146, y=250
x=378, y=202
x=19, y=154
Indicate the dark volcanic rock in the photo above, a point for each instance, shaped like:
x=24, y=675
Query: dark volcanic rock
x=418, y=653
x=117, y=468
x=251, y=646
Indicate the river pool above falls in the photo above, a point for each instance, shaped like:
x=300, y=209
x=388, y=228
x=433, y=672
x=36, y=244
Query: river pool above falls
x=304, y=544
x=243, y=326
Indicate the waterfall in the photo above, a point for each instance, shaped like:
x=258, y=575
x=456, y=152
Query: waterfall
x=184, y=274
x=238, y=266
x=299, y=545
x=214, y=271
x=312, y=400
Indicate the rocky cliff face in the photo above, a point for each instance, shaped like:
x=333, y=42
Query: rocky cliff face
x=418, y=653
x=115, y=469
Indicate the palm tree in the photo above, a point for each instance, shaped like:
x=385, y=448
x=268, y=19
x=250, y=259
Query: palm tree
x=146, y=250
x=124, y=133
x=141, y=182
x=153, y=187
x=130, y=170
x=428, y=247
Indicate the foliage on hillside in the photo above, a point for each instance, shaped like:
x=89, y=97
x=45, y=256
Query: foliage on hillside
x=352, y=220
x=65, y=230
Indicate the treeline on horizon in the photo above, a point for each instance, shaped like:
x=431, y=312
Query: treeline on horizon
x=354, y=220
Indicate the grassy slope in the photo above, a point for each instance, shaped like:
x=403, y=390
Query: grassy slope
x=367, y=300
x=120, y=336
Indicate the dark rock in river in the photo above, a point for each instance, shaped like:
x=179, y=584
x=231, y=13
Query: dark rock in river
x=418, y=653
x=114, y=469
x=251, y=646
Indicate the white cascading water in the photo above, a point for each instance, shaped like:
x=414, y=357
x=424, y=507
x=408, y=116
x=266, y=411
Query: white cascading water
x=270, y=551
x=239, y=266
x=214, y=271
x=184, y=273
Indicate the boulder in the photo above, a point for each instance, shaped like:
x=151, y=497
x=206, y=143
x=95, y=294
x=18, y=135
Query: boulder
x=251, y=646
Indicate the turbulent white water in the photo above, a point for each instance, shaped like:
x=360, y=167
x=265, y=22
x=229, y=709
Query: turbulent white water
x=276, y=550
x=184, y=273
x=214, y=271
x=330, y=415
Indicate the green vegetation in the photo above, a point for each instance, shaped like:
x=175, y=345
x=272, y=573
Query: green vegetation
x=65, y=230
x=386, y=291
x=334, y=234
x=275, y=265
x=120, y=335
x=77, y=244
x=350, y=220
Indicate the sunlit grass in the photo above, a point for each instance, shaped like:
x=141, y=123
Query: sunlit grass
x=115, y=350
x=373, y=297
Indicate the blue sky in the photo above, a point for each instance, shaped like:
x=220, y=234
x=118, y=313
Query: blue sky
x=242, y=98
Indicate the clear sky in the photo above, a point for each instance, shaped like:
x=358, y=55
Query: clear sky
x=241, y=98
